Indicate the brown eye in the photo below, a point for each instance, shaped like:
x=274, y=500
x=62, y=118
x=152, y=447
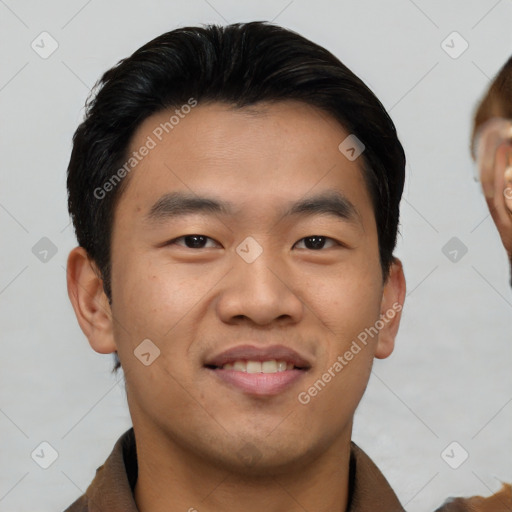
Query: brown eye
x=316, y=242
x=194, y=241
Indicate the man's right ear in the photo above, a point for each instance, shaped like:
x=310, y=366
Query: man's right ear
x=91, y=305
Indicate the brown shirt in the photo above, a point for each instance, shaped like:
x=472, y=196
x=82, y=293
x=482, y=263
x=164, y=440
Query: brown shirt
x=112, y=487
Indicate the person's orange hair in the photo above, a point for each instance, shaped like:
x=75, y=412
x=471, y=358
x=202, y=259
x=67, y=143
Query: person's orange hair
x=497, y=101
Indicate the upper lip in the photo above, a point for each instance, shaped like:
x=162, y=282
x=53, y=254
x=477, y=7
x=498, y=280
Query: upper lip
x=254, y=353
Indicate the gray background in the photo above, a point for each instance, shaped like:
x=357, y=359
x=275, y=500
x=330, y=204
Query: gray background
x=449, y=378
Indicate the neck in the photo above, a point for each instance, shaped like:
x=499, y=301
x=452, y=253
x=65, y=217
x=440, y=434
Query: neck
x=172, y=479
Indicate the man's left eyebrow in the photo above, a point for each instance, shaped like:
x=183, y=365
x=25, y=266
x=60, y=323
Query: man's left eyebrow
x=181, y=204
x=331, y=203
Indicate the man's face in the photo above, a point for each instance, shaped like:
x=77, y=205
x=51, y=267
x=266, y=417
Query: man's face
x=287, y=269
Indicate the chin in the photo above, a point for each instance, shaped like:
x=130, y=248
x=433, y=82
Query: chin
x=256, y=458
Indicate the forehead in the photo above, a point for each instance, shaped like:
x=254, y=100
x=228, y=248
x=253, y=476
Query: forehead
x=255, y=155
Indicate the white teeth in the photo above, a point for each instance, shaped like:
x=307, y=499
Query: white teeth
x=253, y=367
x=239, y=366
x=270, y=366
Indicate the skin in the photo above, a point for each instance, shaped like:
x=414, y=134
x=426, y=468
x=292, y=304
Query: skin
x=192, y=429
x=494, y=160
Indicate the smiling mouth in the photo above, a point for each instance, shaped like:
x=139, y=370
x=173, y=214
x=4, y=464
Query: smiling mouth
x=258, y=371
x=258, y=378
x=269, y=366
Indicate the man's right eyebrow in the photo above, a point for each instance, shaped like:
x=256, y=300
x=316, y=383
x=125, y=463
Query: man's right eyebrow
x=178, y=204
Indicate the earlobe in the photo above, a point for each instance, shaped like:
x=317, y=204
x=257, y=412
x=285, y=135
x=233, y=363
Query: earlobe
x=92, y=309
x=393, y=298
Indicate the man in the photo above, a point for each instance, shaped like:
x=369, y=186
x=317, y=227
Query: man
x=235, y=193
x=491, y=145
x=491, y=149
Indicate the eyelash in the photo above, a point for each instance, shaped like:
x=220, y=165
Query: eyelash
x=326, y=238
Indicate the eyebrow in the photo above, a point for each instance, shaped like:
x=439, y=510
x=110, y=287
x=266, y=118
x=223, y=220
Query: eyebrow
x=329, y=203
x=178, y=204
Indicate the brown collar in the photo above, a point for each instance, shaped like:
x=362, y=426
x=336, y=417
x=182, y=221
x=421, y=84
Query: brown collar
x=112, y=487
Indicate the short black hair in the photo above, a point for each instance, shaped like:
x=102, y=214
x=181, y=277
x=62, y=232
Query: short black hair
x=241, y=64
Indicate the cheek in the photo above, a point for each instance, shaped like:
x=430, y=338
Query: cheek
x=346, y=311
x=162, y=302
x=155, y=303
x=150, y=298
x=348, y=300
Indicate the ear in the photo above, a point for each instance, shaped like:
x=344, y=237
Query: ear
x=91, y=305
x=393, y=297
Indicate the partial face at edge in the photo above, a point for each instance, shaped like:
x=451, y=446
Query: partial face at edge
x=308, y=278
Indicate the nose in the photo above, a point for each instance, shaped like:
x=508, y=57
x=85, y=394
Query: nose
x=261, y=292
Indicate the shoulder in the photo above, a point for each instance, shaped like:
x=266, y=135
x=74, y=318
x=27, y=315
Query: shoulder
x=501, y=501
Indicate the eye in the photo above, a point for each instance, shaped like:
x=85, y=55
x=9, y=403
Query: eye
x=316, y=242
x=194, y=241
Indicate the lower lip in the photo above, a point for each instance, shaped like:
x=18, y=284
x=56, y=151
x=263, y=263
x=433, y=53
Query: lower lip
x=261, y=384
